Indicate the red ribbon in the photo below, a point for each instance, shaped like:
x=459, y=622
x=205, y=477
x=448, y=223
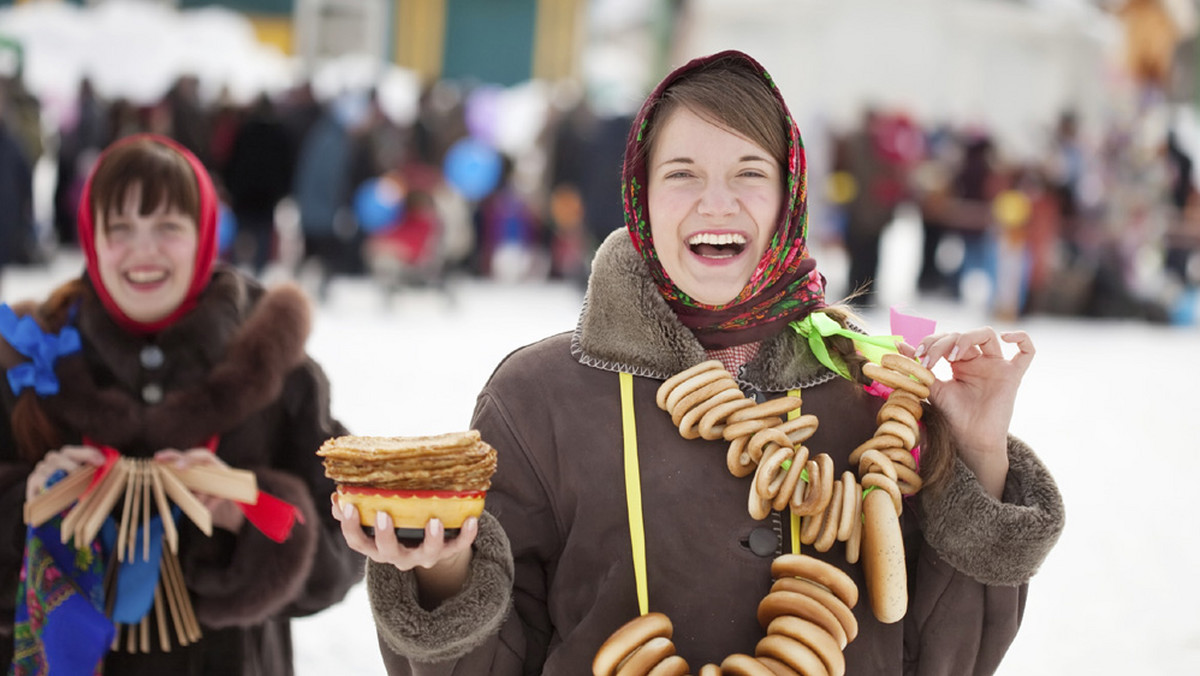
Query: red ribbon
x=272, y=516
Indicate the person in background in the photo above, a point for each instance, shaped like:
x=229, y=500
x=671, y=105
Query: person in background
x=156, y=353
x=713, y=265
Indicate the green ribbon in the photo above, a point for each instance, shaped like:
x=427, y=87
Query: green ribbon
x=818, y=326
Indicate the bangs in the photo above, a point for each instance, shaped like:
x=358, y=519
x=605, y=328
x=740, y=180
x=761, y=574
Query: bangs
x=163, y=174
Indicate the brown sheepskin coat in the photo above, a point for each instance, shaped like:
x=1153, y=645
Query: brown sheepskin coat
x=553, y=576
x=235, y=368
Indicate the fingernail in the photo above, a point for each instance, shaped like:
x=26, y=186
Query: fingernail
x=953, y=354
x=348, y=511
x=435, y=527
x=920, y=350
x=381, y=520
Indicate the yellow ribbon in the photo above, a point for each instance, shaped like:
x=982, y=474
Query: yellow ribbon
x=633, y=493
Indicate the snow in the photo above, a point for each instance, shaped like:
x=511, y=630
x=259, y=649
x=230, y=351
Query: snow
x=1107, y=406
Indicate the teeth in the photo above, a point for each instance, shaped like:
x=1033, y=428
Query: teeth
x=146, y=276
x=715, y=239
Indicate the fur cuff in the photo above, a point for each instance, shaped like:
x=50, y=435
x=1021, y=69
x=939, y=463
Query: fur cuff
x=460, y=624
x=997, y=543
x=262, y=576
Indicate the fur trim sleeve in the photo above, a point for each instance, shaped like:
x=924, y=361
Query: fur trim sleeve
x=997, y=542
x=460, y=624
x=258, y=577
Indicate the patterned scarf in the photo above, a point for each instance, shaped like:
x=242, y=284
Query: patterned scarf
x=785, y=286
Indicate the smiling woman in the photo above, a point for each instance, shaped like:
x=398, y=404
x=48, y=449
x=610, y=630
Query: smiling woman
x=157, y=356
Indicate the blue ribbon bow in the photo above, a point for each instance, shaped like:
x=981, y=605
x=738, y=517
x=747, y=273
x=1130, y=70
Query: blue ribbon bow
x=43, y=349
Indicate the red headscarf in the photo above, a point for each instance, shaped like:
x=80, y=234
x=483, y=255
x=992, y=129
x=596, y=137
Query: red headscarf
x=206, y=240
x=785, y=286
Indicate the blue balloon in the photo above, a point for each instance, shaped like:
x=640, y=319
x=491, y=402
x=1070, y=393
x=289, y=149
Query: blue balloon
x=473, y=168
x=227, y=228
x=378, y=203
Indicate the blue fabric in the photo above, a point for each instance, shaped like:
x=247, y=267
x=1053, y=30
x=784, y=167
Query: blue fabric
x=59, y=626
x=136, y=578
x=43, y=349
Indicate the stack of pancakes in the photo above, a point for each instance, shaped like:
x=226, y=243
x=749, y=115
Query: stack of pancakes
x=413, y=479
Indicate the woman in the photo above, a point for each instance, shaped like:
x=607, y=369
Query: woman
x=713, y=266
x=188, y=364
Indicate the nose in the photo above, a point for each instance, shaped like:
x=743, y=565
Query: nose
x=717, y=200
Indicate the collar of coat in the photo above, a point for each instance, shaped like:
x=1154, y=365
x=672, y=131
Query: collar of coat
x=226, y=360
x=626, y=325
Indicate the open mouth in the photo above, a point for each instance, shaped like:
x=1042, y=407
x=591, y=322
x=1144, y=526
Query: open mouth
x=146, y=276
x=712, y=245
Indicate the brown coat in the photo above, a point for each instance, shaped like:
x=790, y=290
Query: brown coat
x=234, y=367
x=553, y=412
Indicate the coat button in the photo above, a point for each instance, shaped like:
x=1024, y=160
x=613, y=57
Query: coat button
x=151, y=357
x=152, y=393
x=764, y=542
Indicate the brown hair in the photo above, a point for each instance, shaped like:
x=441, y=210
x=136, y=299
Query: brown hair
x=164, y=175
x=937, y=452
x=731, y=94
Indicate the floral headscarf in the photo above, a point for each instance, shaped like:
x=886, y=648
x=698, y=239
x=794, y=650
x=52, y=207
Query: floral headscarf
x=785, y=285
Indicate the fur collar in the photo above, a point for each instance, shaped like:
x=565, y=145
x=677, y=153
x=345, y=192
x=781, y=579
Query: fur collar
x=225, y=360
x=626, y=325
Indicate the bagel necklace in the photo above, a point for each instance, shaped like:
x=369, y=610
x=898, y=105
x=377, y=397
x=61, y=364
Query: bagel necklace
x=808, y=611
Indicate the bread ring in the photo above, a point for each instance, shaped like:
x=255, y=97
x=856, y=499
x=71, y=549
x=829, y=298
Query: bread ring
x=908, y=401
x=883, y=559
x=878, y=442
x=709, y=670
x=650, y=653
x=826, y=598
x=737, y=460
x=810, y=527
x=889, y=486
x=744, y=428
x=854, y=544
x=791, y=479
x=777, y=668
x=771, y=408
x=699, y=396
x=849, y=490
x=696, y=382
x=890, y=411
x=908, y=366
x=758, y=506
x=823, y=573
x=908, y=481
x=792, y=653
x=816, y=638
x=738, y=664
x=669, y=384
x=674, y=665
x=906, y=434
x=901, y=457
x=894, y=380
x=768, y=480
x=689, y=423
x=712, y=423
x=760, y=439
x=628, y=638
x=808, y=493
x=779, y=603
x=874, y=461
x=828, y=476
x=800, y=428
x=831, y=519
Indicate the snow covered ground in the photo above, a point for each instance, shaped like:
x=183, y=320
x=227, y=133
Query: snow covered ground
x=1108, y=406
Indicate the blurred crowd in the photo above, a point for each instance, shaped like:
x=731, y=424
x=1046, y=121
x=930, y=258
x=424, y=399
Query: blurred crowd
x=1101, y=224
